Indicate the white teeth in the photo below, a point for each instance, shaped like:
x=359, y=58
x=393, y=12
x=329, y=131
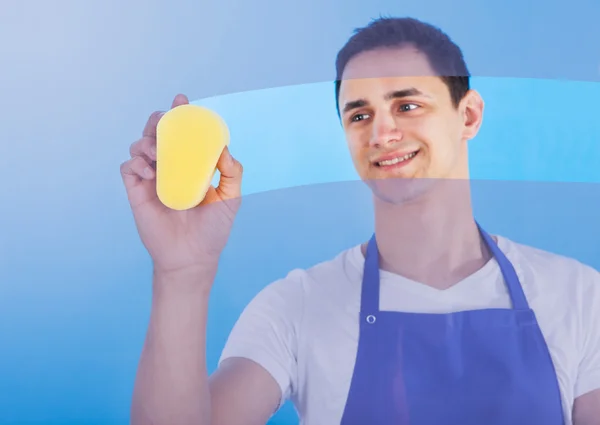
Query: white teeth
x=397, y=160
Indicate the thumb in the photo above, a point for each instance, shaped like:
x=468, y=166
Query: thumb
x=230, y=181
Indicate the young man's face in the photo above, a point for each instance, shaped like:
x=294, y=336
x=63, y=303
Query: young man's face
x=393, y=107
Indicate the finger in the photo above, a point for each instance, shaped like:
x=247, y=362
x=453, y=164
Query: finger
x=150, y=128
x=180, y=99
x=136, y=169
x=144, y=147
x=231, y=171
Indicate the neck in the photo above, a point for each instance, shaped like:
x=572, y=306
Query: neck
x=434, y=239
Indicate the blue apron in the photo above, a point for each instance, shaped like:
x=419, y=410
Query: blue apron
x=480, y=367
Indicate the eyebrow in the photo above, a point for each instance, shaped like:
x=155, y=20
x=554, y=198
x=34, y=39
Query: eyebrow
x=398, y=94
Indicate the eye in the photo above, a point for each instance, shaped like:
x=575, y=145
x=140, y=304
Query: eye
x=406, y=107
x=359, y=117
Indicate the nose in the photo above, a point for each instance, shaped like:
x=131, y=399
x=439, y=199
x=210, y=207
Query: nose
x=385, y=130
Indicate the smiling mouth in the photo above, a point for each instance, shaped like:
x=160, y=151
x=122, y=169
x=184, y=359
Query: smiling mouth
x=397, y=160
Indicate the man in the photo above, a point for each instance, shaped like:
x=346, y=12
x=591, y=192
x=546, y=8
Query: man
x=432, y=321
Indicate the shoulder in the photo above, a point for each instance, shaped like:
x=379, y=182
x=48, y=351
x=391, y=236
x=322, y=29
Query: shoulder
x=555, y=269
x=556, y=285
x=323, y=278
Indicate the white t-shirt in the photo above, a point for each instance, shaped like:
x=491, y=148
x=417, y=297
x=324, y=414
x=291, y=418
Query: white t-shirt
x=303, y=329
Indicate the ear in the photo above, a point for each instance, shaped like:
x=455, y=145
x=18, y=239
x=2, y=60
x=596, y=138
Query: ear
x=471, y=109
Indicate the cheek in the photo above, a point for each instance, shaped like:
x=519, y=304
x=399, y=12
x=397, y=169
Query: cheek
x=441, y=140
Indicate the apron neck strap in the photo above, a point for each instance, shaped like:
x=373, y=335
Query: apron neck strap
x=515, y=289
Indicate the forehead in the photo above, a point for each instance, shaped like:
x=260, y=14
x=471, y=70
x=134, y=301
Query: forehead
x=376, y=72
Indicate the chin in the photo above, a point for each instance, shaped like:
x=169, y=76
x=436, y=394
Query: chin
x=400, y=191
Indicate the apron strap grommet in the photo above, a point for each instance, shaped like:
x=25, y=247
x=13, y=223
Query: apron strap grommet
x=371, y=319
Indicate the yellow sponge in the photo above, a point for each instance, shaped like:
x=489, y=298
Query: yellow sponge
x=189, y=142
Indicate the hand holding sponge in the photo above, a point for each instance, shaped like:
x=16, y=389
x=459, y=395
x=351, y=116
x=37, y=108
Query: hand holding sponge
x=189, y=142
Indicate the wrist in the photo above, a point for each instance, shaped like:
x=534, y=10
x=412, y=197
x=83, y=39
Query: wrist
x=196, y=280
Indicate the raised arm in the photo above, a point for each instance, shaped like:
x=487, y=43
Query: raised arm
x=172, y=386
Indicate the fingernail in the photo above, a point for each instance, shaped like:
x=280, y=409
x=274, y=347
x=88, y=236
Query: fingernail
x=153, y=150
x=148, y=172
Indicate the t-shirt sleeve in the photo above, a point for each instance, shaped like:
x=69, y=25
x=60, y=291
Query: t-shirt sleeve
x=267, y=332
x=588, y=378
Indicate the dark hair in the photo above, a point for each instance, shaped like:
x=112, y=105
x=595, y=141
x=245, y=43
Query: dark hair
x=444, y=56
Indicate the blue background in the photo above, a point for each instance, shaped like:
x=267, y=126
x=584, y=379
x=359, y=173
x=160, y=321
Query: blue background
x=79, y=79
